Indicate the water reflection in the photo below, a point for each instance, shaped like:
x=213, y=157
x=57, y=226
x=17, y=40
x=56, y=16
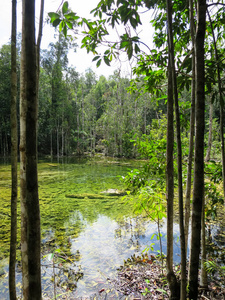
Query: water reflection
x=96, y=234
x=105, y=244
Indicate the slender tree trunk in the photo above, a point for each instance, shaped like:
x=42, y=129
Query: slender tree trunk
x=221, y=104
x=14, y=144
x=203, y=277
x=57, y=138
x=83, y=129
x=179, y=151
x=39, y=40
x=32, y=200
x=62, y=137
x=191, y=137
x=222, y=138
x=198, y=188
x=23, y=109
x=207, y=157
x=172, y=280
x=51, y=147
x=38, y=47
x=78, y=134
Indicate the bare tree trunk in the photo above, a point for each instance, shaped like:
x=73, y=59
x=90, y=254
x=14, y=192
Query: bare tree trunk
x=23, y=109
x=198, y=189
x=14, y=144
x=39, y=40
x=179, y=151
x=57, y=139
x=32, y=200
x=51, y=146
x=203, y=277
x=207, y=157
x=221, y=104
x=172, y=280
x=62, y=146
x=191, y=137
x=38, y=47
x=78, y=134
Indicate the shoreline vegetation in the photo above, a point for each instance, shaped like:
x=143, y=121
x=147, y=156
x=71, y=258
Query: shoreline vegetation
x=141, y=277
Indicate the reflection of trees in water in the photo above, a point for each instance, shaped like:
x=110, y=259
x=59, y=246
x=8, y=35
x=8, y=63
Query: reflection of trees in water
x=63, y=271
x=134, y=228
x=216, y=240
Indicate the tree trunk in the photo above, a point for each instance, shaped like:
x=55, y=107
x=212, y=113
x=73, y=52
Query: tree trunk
x=203, y=277
x=179, y=150
x=32, y=200
x=14, y=143
x=207, y=157
x=172, y=281
x=192, y=128
x=198, y=189
x=23, y=109
x=221, y=104
x=38, y=47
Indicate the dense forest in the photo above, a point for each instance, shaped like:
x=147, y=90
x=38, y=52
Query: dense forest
x=171, y=114
x=81, y=113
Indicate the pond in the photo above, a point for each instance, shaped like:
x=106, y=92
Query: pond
x=91, y=232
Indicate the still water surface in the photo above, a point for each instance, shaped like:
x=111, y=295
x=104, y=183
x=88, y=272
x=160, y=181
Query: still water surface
x=96, y=232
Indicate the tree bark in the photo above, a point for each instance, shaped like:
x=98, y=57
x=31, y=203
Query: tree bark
x=179, y=150
x=208, y=154
x=203, y=277
x=192, y=128
x=32, y=200
x=14, y=146
x=23, y=109
x=221, y=104
x=198, y=188
x=172, y=280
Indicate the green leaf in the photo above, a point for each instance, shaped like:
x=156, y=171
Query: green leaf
x=107, y=52
x=71, y=15
x=130, y=51
x=53, y=16
x=65, y=30
x=124, y=44
x=106, y=60
x=65, y=7
x=56, y=22
x=98, y=63
x=136, y=48
x=58, y=251
x=70, y=25
x=61, y=26
x=153, y=236
x=96, y=58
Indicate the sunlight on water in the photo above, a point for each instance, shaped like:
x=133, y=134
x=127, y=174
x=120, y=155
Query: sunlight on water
x=99, y=231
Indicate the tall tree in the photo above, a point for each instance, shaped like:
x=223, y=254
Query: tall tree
x=198, y=186
x=14, y=149
x=192, y=127
x=221, y=101
x=179, y=151
x=171, y=277
x=32, y=200
x=22, y=147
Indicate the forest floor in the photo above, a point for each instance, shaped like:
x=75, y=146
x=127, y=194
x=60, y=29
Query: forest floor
x=144, y=278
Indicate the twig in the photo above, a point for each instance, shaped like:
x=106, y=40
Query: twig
x=204, y=297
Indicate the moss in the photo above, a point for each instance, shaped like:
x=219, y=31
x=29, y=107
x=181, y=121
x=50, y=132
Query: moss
x=69, y=194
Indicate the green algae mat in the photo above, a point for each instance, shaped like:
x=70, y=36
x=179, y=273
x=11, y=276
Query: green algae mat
x=88, y=227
